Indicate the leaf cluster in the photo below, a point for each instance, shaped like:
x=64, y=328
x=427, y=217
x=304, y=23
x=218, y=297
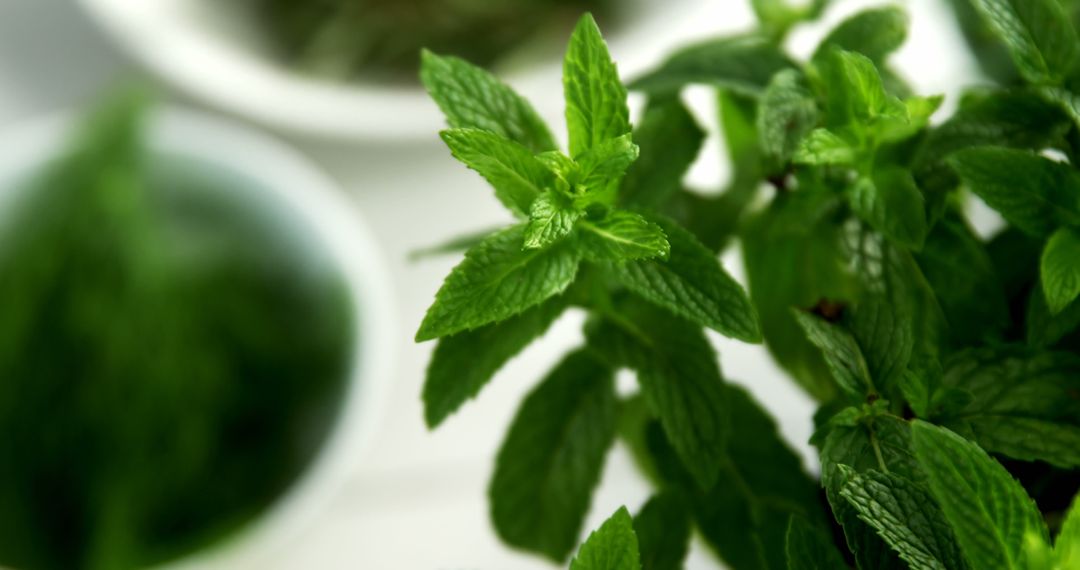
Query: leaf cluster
x=946, y=364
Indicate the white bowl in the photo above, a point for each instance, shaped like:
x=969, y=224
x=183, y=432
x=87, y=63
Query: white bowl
x=331, y=220
x=193, y=45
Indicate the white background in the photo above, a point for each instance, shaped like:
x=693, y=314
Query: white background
x=419, y=499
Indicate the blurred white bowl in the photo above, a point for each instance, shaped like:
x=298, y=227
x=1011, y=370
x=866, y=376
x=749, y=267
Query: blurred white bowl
x=201, y=49
x=325, y=213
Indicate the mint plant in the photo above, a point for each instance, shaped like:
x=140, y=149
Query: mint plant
x=946, y=364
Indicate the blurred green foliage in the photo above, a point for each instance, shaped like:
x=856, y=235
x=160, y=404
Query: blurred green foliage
x=347, y=38
x=165, y=372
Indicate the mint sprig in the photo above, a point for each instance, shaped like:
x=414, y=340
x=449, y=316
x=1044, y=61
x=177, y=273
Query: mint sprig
x=927, y=346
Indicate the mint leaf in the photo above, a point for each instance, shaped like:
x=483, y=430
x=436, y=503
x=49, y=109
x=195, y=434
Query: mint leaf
x=518, y=178
x=552, y=457
x=892, y=306
x=918, y=113
x=892, y=204
x=622, y=236
x=551, y=218
x=875, y=33
x=670, y=140
x=473, y=98
x=1067, y=544
x=962, y=275
x=856, y=95
x=463, y=363
x=1016, y=119
x=842, y=354
x=1022, y=404
x=603, y=167
x=822, y=146
x=794, y=258
x=1039, y=35
x=788, y=113
x=906, y=517
x=1065, y=99
x=679, y=378
x=496, y=281
x=745, y=515
x=778, y=15
x=1033, y=193
x=988, y=510
x=1025, y=438
x=807, y=548
x=878, y=442
x=1045, y=329
x=744, y=64
x=691, y=283
x=595, y=97
x=613, y=546
x=1060, y=269
x=456, y=244
x=663, y=531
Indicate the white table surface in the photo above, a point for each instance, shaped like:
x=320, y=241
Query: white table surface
x=419, y=499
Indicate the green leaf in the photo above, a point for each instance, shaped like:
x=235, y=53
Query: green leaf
x=1045, y=329
x=1016, y=119
x=906, y=517
x=1039, y=35
x=1023, y=404
x=878, y=442
x=745, y=64
x=1060, y=269
x=1065, y=100
x=892, y=204
x=551, y=218
x=613, y=546
x=842, y=354
x=988, y=510
x=496, y=281
x=875, y=33
x=739, y=129
x=663, y=532
x=1033, y=193
x=991, y=54
x=1067, y=544
x=622, y=236
x=679, y=378
x=457, y=244
x=552, y=458
x=670, y=140
x=463, y=363
x=518, y=178
x=603, y=167
x=691, y=283
x=855, y=94
x=962, y=275
x=745, y=515
x=918, y=113
x=788, y=113
x=763, y=484
x=793, y=256
x=470, y=97
x=807, y=548
x=895, y=304
x=822, y=146
x=777, y=16
x=595, y=97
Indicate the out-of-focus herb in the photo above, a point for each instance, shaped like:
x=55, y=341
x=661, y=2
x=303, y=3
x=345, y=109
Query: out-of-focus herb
x=383, y=38
x=163, y=378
